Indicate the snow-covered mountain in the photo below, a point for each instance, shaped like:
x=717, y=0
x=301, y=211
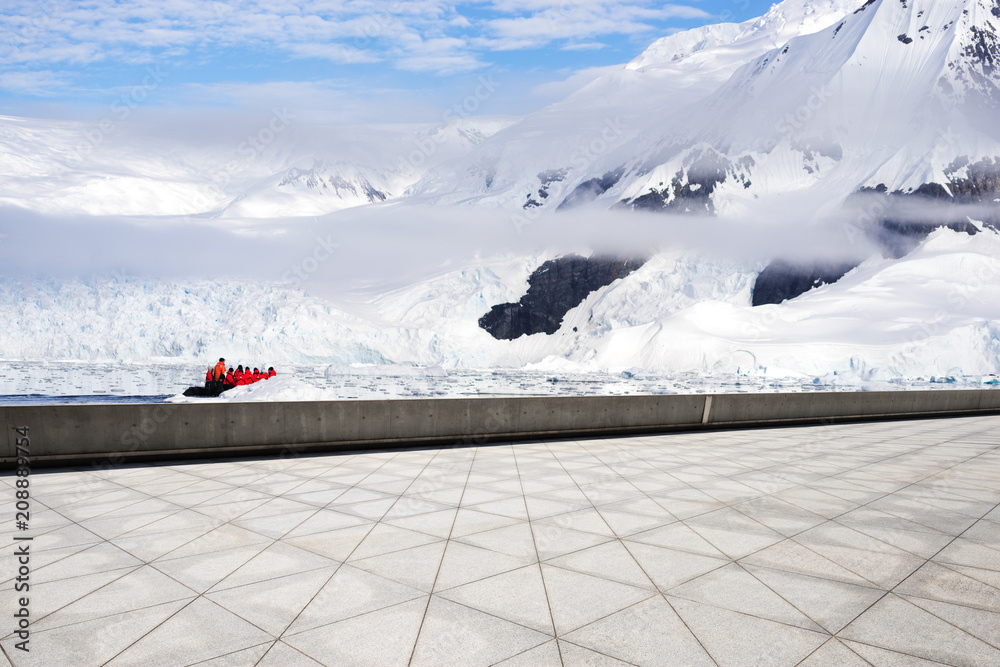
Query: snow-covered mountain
x=273, y=168
x=590, y=135
x=827, y=97
x=803, y=116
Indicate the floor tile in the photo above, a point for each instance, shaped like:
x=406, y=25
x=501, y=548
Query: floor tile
x=282, y=655
x=639, y=635
x=516, y=540
x=880, y=657
x=830, y=603
x=948, y=584
x=273, y=604
x=731, y=587
x=737, y=639
x=453, y=634
x=463, y=563
x=353, y=642
x=669, y=567
x=677, y=536
x=577, y=599
x=546, y=655
x=247, y=656
x=834, y=653
x=127, y=591
x=517, y=596
x=175, y=642
x=203, y=571
x=416, y=567
x=384, y=539
x=277, y=560
x=348, y=593
x=610, y=560
x=94, y=642
x=979, y=623
x=897, y=625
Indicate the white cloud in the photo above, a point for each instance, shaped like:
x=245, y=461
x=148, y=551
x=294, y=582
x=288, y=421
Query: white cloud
x=554, y=90
x=583, y=46
x=415, y=35
x=39, y=83
x=327, y=101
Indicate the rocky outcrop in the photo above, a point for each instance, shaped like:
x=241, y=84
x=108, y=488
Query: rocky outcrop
x=782, y=280
x=545, y=180
x=690, y=190
x=894, y=231
x=590, y=190
x=553, y=289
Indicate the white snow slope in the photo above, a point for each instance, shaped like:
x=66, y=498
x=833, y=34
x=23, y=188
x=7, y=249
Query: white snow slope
x=276, y=168
x=821, y=97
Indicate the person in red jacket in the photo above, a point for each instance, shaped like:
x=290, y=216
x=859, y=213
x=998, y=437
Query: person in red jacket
x=238, y=375
x=230, y=380
x=208, y=377
x=270, y=372
x=256, y=375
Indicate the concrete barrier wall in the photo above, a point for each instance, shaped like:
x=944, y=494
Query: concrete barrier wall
x=63, y=434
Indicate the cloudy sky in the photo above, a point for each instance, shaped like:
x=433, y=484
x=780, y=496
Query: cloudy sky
x=340, y=60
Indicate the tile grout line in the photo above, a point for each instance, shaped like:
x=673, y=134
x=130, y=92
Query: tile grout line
x=437, y=573
x=655, y=587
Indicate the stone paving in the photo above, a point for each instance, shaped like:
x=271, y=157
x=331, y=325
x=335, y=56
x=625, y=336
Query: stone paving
x=831, y=545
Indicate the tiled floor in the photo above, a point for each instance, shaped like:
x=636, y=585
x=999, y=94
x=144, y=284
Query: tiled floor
x=833, y=545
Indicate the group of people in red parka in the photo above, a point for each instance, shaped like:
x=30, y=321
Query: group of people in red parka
x=230, y=378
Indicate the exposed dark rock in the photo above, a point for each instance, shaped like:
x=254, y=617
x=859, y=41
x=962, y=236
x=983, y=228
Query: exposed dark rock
x=553, y=289
x=588, y=191
x=904, y=39
x=894, y=231
x=898, y=238
x=314, y=180
x=864, y=6
x=545, y=178
x=691, y=188
x=781, y=280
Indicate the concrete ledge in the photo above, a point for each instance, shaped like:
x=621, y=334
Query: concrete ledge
x=108, y=434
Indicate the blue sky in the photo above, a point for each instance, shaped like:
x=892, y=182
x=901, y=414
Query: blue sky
x=338, y=61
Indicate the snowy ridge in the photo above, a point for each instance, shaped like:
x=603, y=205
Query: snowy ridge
x=860, y=103
x=63, y=167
